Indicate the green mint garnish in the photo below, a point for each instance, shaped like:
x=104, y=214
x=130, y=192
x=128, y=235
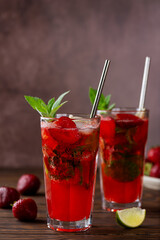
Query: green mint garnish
x=122, y=170
x=49, y=109
x=104, y=102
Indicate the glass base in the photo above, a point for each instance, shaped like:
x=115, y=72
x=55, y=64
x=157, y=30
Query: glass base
x=63, y=226
x=113, y=206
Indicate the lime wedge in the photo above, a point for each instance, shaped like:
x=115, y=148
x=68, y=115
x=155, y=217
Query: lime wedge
x=131, y=217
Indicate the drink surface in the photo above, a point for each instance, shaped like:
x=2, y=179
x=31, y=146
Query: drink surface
x=69, y=153
x=122, y=141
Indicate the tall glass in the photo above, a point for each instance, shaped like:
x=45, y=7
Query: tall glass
x=69, y=155
x=123, y=135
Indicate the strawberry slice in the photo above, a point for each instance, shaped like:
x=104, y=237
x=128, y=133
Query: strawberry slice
x=107, y=129
x=64, y=122
x=47, y=139
x=64, y=130
x=140, y=135
x=124, y=120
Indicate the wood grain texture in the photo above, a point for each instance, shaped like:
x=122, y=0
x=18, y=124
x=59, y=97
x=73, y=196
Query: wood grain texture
x=104, y=224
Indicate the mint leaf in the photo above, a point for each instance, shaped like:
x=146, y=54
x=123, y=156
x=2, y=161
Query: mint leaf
x=54, y=110
x=111, y=106
x=58, y=101
x=103, y=102
x=92, y=94
x=50, y=104
x=107, y=100
x=46, y=110
x=122, y=170
x=37, y=104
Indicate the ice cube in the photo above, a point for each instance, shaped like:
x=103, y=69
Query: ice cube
x=47, y=124
x=86, y=131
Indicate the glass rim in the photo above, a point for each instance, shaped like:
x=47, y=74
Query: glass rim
x=125, y=109
x=72, y=116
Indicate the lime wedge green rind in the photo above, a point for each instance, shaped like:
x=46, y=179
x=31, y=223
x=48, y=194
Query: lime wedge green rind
x=131, y=217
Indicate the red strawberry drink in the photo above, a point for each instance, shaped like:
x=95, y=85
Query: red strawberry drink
x=69, y=146
x=123, y=135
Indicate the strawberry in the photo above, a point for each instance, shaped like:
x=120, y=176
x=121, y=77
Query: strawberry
x=25, y=209
x=64, y=122
x=124, y=120
x=28, y=184
x=154, y=155
x=155, y=171
x=47, y=139
x=7, y=196
x=140, y=135
x=107, y=129
x=65, y=131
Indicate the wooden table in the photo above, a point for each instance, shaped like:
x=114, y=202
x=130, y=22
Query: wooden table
x=104, y=224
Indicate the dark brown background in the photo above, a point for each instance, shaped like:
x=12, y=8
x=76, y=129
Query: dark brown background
x=51, y=46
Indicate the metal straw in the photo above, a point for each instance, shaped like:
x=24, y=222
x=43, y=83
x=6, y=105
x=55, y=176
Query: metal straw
x=100, y=88
x=144, y=83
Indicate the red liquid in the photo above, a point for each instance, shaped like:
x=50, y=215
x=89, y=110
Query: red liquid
x=70, y=163
x=122, y=142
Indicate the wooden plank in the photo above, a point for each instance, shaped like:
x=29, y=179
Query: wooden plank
x=104, y=224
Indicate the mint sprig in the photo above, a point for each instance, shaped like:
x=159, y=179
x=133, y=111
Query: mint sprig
x=49, y=109
x=122, y=170
x=104, y=102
